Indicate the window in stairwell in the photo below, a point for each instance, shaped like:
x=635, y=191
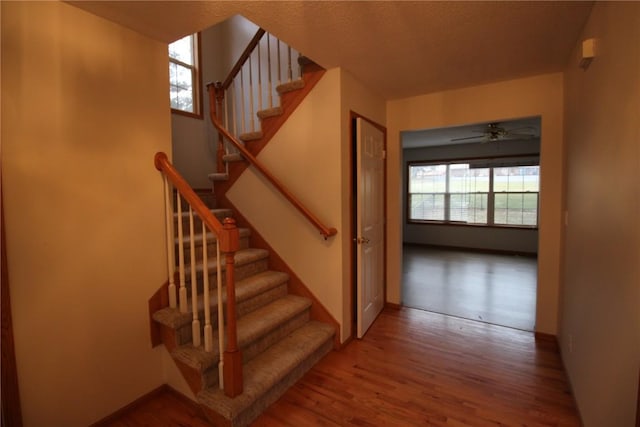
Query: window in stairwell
x=184, y=76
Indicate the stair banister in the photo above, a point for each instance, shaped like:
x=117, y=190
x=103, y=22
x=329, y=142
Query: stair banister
x=229, y=241
x=243, y=58
x=324, y=230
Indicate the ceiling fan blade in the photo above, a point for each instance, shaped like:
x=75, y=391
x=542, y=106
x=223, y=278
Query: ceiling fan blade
x=530, y=128
x=468, y=137
x=512, y=135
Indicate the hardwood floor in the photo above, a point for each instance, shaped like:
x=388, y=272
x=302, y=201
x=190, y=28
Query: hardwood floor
x=492, y=288
x=415, y=368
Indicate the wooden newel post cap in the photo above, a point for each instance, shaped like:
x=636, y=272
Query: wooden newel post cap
x=159, y=159
x=230, y=238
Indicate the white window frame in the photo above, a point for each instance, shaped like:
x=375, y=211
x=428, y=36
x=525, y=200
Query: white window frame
x=195, y=78
x=490, y=194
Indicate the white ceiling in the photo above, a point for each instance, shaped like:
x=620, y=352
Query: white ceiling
x=396, y=48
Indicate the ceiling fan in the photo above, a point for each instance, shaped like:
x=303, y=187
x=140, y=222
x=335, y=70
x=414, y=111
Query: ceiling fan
x=494, y=132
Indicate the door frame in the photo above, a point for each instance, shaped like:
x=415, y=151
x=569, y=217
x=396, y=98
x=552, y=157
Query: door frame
x=10, y=412
x=352, y=217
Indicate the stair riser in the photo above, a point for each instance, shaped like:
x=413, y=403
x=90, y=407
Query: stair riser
x=211, y=249
x=254, y=348
x=184, y=333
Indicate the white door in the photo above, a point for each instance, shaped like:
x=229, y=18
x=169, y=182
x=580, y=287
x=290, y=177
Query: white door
x=370, y=224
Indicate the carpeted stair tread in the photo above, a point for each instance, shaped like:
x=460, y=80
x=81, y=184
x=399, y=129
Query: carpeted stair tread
x=250, y=136
x=251, y=327
x=233, y=157
x=242, y=257
x=218, y=176
x=290, y=86
x=245, y=289
x=211, y=238
x=266, y=371
x=270, y=112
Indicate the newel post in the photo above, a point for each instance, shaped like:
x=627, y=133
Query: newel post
x=229, y=244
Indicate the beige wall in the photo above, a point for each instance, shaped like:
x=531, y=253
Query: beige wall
x=601, y=302
x=534, y=96
x=310, y=154
x=305, y=155
x=84, y=109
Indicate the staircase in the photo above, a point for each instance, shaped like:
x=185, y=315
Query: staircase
x=290, y=94
x=276, y=335
x=279, y=342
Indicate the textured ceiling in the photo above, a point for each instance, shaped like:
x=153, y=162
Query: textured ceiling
x=396, y=48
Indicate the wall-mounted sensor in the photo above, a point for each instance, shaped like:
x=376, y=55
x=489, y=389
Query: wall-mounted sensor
x=588, y=53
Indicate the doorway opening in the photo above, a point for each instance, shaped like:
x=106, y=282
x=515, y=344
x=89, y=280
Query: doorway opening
x=470, y=230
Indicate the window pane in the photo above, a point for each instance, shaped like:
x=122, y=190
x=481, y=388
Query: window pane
x=427, y=179
x=181, y=87
x=518, y=178
x=468, y=207
x=185, y=100
x=426, y=207
x=182, y=50
x=516, y=209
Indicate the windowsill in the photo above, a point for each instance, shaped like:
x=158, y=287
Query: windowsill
x=187, y=114
x=464, y=224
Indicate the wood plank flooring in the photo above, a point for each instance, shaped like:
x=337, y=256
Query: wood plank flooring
x=492, y=288
x=415, y=368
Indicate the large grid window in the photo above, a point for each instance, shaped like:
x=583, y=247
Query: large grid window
x=464, y=193
x=184, y=84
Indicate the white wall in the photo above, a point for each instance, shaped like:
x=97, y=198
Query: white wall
x=84, y=109
x=534, y=96
x=600, y=327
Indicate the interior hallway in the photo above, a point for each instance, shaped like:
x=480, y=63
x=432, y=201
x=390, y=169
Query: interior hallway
x=492, y=288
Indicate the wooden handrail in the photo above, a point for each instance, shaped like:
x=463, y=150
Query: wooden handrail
x=243, y=58
x=324, y=230
x=229, y=241
x=163, y=164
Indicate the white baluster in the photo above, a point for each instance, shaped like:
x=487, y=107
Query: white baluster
x=182, y=296
x=259, y=80
x=269, y=70
x=208, y=331
x=242, y=123
x=234, y=112
x=195, y=324
x=171, y=263
x=279, y=65
x=220, y=316
x=290, y=74
x=226, y=111
x=251, y=115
